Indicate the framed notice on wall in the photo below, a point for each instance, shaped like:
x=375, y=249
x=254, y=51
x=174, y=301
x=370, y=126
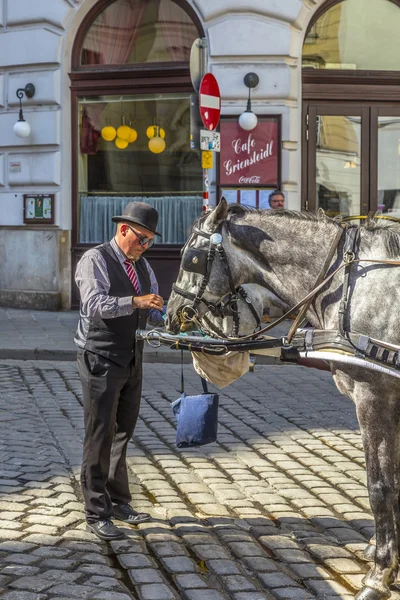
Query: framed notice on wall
x=39, y=208
x=250, y=161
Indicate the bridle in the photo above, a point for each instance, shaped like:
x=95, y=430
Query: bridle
x=200, y=261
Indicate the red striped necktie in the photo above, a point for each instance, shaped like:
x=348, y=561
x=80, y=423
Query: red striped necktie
x=132, y=275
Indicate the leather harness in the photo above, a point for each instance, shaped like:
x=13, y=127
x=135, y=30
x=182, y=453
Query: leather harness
x=297, y=340
x=193, y=261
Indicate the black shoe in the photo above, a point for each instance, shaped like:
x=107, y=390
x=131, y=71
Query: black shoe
x=105, y=530
x=125, y=512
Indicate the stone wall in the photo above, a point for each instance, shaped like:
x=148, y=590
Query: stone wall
x=36, y=39
x=31, y=51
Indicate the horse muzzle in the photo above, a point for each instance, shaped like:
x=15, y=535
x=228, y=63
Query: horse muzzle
x=181, y=319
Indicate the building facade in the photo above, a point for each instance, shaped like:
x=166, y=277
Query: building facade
x=113, y=109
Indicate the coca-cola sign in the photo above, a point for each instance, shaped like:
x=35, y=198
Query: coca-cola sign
x=249, y=158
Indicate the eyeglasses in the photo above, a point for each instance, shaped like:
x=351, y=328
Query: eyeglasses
x=142, y=239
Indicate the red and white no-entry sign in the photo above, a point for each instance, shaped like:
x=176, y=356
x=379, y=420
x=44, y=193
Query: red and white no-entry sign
x=210, y=101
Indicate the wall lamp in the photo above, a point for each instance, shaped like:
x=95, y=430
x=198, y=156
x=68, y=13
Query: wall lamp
x=248, y=120
x=22, y=128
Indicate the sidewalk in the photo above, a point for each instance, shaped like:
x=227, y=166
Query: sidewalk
x=45, y=335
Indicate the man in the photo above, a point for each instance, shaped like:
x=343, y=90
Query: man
x=276, y=199
x=118, y=291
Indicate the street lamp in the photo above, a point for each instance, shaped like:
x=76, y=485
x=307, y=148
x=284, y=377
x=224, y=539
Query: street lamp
x=248, y=120
x=22, y=128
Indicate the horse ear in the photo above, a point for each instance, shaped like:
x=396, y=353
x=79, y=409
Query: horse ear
x=220, y=213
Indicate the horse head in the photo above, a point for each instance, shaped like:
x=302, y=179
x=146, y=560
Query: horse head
x=214, y=290
x=202, y=280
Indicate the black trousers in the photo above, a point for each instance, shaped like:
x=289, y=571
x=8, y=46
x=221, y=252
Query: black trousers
x=111, y=402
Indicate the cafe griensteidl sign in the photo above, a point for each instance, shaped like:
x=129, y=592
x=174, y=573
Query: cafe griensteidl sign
x=249, y=158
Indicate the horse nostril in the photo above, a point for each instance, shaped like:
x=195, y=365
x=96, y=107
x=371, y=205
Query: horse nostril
x=172, y=324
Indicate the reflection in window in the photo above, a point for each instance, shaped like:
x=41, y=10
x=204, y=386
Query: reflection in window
x=139, y=31
x=338, y=165
x=137, y=148
x=389, y=165
x=355, y=34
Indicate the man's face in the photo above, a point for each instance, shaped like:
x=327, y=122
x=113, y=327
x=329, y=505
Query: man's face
x=129, y=239
x=277, y=201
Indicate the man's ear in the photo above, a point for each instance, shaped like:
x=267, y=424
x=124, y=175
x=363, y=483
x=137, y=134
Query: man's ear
x=219, y=214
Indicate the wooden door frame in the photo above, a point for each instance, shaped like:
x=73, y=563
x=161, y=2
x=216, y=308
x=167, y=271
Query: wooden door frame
x=309, y=155
x=387, y=110
x=369, y=146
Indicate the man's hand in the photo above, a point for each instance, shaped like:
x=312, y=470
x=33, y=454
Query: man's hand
x=148, y=301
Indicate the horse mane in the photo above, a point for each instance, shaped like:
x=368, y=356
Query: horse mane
x=389, y=234
x=320, y=216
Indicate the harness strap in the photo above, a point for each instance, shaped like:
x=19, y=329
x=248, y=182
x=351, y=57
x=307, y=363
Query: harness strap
x=249, y=303
x=358, y=345
x=210, y=259
x=320, y=277
x=212, y=328
x=183, y=293
x=235, y=315
x=394, y=263
x=201, y=232
x=349, y=254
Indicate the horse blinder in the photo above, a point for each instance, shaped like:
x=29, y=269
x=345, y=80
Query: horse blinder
x=195, y=261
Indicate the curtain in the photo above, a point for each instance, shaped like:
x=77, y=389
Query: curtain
x=176, y=215
x=111, y=38
x=178, y=30
x=89, y=135
x=91, y=127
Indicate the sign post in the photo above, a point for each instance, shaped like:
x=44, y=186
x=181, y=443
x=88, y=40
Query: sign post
x=210, y=111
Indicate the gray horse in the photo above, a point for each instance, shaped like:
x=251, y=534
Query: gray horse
x=284, y=252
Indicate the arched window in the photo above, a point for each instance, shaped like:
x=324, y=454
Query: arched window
x=351, y=108
x=139, y=31
x=356, y=35
x=131, y=124
x=131, y=103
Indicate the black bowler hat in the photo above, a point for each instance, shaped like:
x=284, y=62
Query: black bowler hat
x=141, y=214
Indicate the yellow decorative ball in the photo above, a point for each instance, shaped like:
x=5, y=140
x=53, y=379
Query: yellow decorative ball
x=121, y=144
x=108, y=133
x=152, y=131
x=123, y=132
x=132, y=135
x=156, y=145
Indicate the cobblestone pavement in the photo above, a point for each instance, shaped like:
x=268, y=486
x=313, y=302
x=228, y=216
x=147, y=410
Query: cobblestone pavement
x=276, y=510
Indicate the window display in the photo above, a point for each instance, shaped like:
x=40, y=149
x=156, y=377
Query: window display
x=137, y=148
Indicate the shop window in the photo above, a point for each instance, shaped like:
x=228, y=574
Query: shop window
x=355, y=35
x=139, y=31
x=136, y=148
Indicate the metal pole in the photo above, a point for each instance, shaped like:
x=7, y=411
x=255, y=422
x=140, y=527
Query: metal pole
x=204, y=70
x=204, y=56
x=205, y=189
